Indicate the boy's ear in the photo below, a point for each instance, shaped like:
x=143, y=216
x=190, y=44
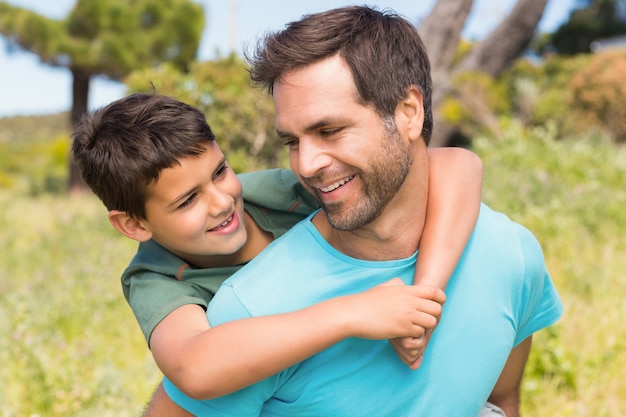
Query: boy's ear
x=129, y=227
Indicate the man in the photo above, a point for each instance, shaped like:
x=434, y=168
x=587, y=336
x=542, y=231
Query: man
x=352, y=90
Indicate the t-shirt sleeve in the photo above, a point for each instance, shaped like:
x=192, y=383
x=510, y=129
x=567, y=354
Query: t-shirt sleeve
x=541, y=305
x=247, y=402
x=153, y=296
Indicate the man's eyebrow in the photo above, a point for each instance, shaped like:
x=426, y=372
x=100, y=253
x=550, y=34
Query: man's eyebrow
x=283, y=135
x=312, y=127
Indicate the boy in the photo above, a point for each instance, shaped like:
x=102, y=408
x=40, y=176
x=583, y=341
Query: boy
x=154, y=163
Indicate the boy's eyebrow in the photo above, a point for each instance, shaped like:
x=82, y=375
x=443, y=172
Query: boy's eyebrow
x=181, y=197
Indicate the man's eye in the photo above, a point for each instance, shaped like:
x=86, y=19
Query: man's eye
x=291, y=142
x=329, y=132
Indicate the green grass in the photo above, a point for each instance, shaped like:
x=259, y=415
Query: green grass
x=572, y=195
x=69, y=345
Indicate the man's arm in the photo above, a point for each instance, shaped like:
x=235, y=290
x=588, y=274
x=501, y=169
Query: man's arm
x=454, y=195
x=162, y=406
x=506, y=392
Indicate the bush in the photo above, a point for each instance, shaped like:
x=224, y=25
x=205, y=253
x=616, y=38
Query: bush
x=599, y=94
x=571, y=194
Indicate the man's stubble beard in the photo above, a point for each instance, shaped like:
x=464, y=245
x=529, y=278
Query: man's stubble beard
x=387, y=171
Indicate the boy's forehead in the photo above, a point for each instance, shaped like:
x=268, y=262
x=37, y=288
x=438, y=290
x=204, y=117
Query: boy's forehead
x=185, y=174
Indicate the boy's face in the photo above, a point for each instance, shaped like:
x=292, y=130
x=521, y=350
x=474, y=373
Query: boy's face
x=195, y=210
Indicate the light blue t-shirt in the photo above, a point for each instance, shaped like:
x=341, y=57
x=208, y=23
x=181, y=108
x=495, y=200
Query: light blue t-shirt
x=499, y=295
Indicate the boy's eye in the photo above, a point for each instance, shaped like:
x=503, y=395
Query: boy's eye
x=188, y=201
x=221, y=170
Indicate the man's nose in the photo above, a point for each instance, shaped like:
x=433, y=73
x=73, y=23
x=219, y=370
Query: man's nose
x=312, y=156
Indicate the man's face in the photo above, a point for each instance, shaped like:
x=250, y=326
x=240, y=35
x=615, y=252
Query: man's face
x=195, y=209
x=340, y=150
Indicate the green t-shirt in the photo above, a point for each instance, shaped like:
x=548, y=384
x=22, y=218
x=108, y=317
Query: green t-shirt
x=157, y=282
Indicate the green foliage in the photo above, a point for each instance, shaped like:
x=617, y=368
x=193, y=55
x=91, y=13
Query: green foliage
x=578, y=95
x=33, y=154
x=68, y=342
x=109, y=37
x=478, y=98
x=599, y=93
x=30, y=30
x=571, y=194
x=600, y=20
x=241, y=117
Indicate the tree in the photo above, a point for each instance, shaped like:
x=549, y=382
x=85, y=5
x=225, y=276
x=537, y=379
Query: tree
x=441, y=32
x=108, y=38
x=600, y=19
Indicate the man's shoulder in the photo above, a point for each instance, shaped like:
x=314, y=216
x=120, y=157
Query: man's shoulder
x=508, y=240
x=499, y=222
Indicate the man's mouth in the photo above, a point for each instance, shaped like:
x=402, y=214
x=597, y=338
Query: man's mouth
x=336, y=185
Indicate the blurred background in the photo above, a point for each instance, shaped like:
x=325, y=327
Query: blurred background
x=536, y=88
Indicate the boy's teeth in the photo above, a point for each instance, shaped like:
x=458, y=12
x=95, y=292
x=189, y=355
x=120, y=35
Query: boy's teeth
x=230, y=219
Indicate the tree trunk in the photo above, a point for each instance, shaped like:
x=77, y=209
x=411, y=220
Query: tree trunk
x=441, y=31
x=490, y=56
x=507, y=41
x=80, y=95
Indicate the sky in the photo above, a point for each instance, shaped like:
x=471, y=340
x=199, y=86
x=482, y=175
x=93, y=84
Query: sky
x=28, y=87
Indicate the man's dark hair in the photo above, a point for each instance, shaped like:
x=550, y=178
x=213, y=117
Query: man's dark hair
x=383, y=51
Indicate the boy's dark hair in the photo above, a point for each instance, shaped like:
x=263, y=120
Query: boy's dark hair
x=383, y=51
x=122, y=148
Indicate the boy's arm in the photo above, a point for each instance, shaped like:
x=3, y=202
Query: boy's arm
x=454, y=196
x=207, y=363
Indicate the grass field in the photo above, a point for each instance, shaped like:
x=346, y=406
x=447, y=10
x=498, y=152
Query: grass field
x=572, y=195
x=70, y=346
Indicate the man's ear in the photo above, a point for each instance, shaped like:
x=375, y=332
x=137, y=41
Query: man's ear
x=129, y=227
x=411, y=111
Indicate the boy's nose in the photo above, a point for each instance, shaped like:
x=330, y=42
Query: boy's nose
x=219, y=202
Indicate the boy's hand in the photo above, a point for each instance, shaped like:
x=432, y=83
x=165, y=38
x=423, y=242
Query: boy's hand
x=395, y=310
x=411, y=349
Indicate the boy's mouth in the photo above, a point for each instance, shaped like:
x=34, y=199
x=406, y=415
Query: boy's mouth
x=223, y=224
